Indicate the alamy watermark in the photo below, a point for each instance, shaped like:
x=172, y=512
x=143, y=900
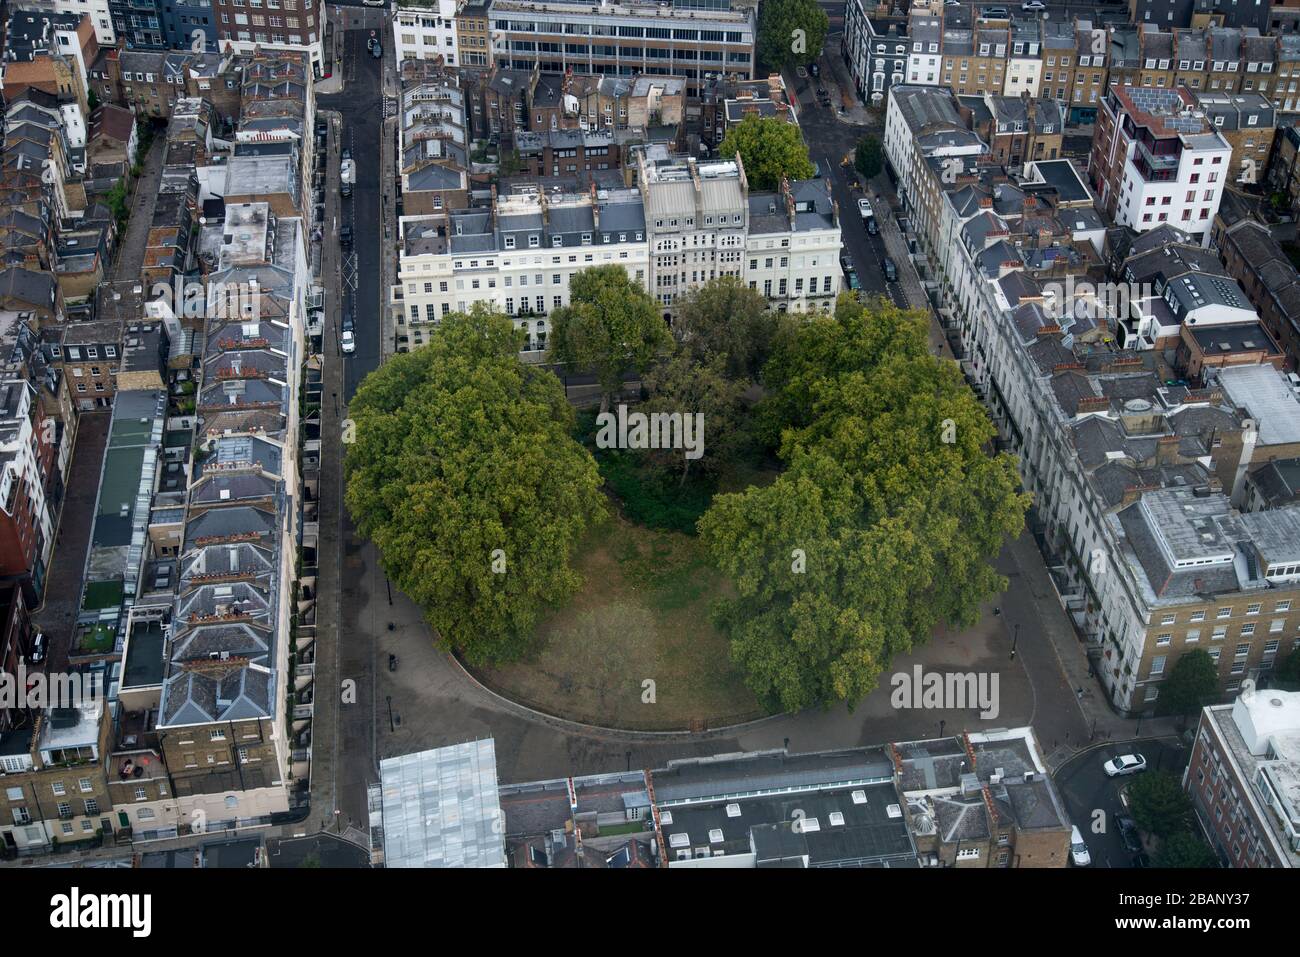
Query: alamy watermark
x=1080, y=299
x=656, y=430
x=38, y=691
x=946, y=691
x=217, y=300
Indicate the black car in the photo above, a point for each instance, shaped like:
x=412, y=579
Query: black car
x=322, y=127
x=872, y=228
x=890, y=270
x=349, y=322
x=346, y=154
x=1128, y=833
x=345, y=236
x=377, y=51
x=815, y=70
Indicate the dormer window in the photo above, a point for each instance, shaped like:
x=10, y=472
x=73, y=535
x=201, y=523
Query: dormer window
x=534, y=241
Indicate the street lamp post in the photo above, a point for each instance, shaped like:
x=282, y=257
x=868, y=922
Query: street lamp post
x=1015, y=640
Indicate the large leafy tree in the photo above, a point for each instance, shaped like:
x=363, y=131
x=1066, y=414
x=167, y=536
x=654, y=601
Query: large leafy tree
x=465, y=475
x=611, y=327
x=1186, y=850
x=882, y=526
x=770, y=148
x=790, y=32
x=869, y=158
x=680, y=386
x=1159, y=804
x=1192, y=683
x=726, y=320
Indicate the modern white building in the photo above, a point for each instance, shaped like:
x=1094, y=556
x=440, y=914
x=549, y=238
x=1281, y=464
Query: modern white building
x=1157, y=159
x=425, y=31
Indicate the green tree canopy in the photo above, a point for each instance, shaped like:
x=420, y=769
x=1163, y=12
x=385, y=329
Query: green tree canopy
x=680, y=386
x=1159, y=804
x=1288, y=675
x=770, y=148
x=884, y=522
x=1192, y=683
x=725, y=319
x=462, y=450
x=790, y=32
x=612, y=326
x=869, y=157
x=1186, y=850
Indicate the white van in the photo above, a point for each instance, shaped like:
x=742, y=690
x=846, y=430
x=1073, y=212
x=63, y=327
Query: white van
x=1078, y=850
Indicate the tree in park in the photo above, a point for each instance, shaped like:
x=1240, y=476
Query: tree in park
x=883, y=524
x=1192, y=683
x=464, y=474
x=1186, y=851
x=681, y=386
x=791, y=33
x=725, y=319
x=770, y=148
x=869, y=159
x=612, y=326
x=1159, y=803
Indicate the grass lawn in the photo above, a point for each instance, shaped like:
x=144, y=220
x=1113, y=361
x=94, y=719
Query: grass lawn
x=642, y=614
x=102, y=594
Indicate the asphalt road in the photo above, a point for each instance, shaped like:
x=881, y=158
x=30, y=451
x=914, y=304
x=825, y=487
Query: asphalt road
x=1087, y=791
x=829, y=140
x=361, y=106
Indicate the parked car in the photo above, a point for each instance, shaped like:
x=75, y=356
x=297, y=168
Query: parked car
x=872, y=228
x=348, y=342
x=864, y=208
x=1078, y=849
x=1033, y=6
x=995, y=13
x=345, y=236
x=345, y=155
x=1128, y=833
x=891, y=271
x=377, y=51
x=846, y=263
x=349, y=322
x=1124, y=764
x=815, y=70
x=322, y=127
x=852, y=278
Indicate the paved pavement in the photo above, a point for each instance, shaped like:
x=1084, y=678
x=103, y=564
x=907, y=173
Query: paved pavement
x=130, y=250
x=58, y=611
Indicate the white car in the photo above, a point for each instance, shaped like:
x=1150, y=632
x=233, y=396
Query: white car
x=1033, y=6
x=864, y=207
x=1078, y=850
x=349, y=342
x=1124, y=764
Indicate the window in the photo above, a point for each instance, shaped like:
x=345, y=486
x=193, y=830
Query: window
x=58, y=789
x=92, y=807
x=83, y=785
x=141, y=794
x=217, y=734
x=1224, y=613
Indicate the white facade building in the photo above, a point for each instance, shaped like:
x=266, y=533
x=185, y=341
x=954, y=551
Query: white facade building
x=426, y=32
x=518, y=257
